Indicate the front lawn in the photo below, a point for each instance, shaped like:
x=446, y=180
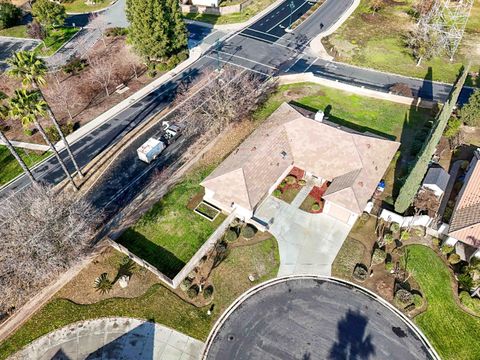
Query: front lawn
x=55, y=40
x=19, y=31
x=80, y=6
x=170, y=233
x=252, y=9
x=159, y=304
x=10, y=167
x=377, y=41
x=452, y=331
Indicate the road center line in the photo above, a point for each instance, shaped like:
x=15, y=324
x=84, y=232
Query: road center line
x=285, y=18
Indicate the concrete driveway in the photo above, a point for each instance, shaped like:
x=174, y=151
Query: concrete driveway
x=308, y=243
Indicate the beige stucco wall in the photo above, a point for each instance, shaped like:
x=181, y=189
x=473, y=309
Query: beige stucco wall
x=339, y=213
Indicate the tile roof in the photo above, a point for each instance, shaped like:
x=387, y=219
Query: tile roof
x=353, y=162
x=465, y=223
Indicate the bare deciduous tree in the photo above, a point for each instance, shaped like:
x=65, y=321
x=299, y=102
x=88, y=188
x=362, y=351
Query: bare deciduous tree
x=62, y=94
x=98, y=21
x=231, y=96
x=101, y=72
x=43, y=234
x=133, y=61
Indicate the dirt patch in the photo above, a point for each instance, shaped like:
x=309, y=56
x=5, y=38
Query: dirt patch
x=195, y=200
x=298, y=92
x=81, y=289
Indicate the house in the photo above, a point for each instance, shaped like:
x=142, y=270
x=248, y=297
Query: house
x=350, y=163
x=464, y=231
x=436, y=180
x=213, y=3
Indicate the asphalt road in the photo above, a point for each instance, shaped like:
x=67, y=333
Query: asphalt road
x=314, y=319
x=264, y=48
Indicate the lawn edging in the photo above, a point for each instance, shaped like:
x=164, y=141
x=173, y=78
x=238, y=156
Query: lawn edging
x=238, y=302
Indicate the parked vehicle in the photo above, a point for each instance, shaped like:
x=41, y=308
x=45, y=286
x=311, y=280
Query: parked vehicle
x=150, y=150
x=170, y=131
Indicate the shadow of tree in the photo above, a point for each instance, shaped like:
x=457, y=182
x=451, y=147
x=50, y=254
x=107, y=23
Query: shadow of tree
x=352, y=341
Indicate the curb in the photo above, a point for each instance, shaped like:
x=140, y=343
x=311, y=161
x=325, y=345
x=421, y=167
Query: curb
x=238, y=302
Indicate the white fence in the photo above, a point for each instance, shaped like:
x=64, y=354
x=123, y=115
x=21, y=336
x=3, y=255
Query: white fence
x=213, y=10
x=421, y=220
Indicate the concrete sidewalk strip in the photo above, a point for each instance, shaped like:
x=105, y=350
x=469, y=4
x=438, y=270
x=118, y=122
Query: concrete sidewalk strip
x=113, y=338
x=28, y=146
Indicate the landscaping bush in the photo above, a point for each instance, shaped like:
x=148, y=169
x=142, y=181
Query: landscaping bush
x=193, y=291
x=282, y=185
x=465, y=281
x=378, y=256
x=417, y=301
x=365, y=216
x=290, y=179
x=403, y=298
x=208, y=292
x=436, y=242
x=52, y=133
x=231, y=235
x=388, y=239
x=316, y=207
x=360, y=272
x=186, y=283
x=394, y=227
x=248, y=231
x=9, y=15
x=277, y=193
x=28, y=132
x=302, y=182
x=419, y=232
x=405, y=235
x=389, y=266
x=454, y=259
x=446, y=249
x=74, y=66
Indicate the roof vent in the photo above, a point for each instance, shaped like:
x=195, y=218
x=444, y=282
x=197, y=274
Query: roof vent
x=319, y=116
x=284, y=154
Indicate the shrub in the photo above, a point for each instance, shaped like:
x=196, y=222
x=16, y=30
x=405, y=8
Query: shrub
x=470, y=112
x=360, y=272
x=446, y=249
x=436, y=242
x=388, y=239
x=419, y=232
x=453, y=128
x=248, y=231
x=403, y=298
x=365, y=216
x=9, y=15
x=401, y=89
x=277, y=193
x=394, y=227
x=302, y=182
x=193, y=291
x=52, y=133
x=116, y=31
x=290, y=179
x=282, y=185
x=389, y=266
x=454, y=259
x=208, y=292
x=28, y=132
x=186, y=283
x=103, y=284
x=316, y=207
x=405, y=235
x=74, y=66
x=378, y=256
x=231, y=235
x=465, y=281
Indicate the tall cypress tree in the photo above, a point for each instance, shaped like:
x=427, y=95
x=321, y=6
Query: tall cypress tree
x=157, y=30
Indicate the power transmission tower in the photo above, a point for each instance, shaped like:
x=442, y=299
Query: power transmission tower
x=446, y=21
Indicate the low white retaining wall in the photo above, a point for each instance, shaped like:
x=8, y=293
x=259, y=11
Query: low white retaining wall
x=310, y=77
x=421, y=220
x=212, y=10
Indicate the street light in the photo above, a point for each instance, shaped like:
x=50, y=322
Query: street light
x=292, y=7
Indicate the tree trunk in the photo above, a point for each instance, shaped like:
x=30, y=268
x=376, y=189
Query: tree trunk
x=419, y=60
x=17, y=157
x=57, y=155
x=60, y=132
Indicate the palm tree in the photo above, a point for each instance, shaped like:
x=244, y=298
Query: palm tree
x=8, y=144
x=26, y=65
x=27, y=106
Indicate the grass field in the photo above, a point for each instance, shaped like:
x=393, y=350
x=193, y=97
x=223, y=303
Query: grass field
x=9, y=168
x=55, y=40
x=377, y=41
x=254, y=8
x=169, y=234
x=469, y=302
x=452, y=332
x=159, y=304
x=80, y=6
x=19, y=31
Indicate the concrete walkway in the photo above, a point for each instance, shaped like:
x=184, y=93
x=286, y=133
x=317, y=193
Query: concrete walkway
x=303, y=193
x=113, y=338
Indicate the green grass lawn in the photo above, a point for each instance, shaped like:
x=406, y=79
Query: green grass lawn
x=452, y=332
x=378, y=42
x=254, y=8
x=80, y=6
x=55, y=40
x=159, y=304
x=469, y=302
x=9, y=166
x=170, y=233
x=19, y=31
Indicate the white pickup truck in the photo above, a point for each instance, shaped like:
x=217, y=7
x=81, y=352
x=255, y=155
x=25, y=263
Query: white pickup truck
x=150, y=150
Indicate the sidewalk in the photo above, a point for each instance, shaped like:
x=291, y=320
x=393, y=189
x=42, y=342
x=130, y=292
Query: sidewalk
x=29, y=146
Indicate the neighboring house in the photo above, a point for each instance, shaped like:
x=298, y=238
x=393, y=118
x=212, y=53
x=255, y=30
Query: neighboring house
x=436, y=180
x=351, y=163
x=213, y=3
x=464, y=231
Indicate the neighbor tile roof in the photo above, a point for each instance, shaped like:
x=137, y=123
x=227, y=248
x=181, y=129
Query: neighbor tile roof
x=353, y=162
x=465, y=223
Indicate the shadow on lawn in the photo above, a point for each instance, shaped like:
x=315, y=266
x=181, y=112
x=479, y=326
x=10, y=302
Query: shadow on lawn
x=164, y=260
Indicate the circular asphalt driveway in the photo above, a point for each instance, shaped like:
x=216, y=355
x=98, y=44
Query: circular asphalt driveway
x=309, y=317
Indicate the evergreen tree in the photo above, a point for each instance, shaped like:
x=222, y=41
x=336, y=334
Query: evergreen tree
x=157, y=30
x=470, y=112
x=49, y=13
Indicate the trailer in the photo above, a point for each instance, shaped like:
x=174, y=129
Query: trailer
x=150, y=150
